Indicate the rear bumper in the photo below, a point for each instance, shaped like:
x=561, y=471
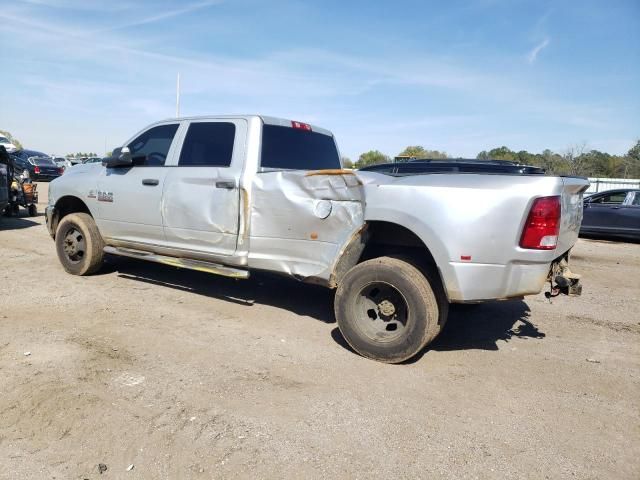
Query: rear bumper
x=49, y=214
x=475, y=282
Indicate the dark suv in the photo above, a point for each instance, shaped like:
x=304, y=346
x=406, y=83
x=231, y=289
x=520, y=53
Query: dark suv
x=40, y=166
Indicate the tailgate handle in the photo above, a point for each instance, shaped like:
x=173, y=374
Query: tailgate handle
x=152, y=182
x=227, y=184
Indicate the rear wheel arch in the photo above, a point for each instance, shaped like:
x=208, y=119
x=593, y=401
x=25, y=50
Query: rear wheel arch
x=382, y=239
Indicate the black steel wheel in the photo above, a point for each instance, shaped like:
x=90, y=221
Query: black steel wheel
x=388, y=310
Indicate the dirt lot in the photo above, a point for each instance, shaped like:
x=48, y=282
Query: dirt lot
x=185, y=375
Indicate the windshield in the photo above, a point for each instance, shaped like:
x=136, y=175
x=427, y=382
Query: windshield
x=4, y=140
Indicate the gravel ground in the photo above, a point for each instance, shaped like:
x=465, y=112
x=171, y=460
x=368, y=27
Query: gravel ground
x=185, y=375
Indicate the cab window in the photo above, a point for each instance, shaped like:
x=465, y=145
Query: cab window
x=152, y=147
x=208, y=144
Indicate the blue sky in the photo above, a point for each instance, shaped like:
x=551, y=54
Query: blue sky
x=459, y=76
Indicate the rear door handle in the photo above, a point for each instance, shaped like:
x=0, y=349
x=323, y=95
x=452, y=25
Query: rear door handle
x=152, y=182
x=228, y=184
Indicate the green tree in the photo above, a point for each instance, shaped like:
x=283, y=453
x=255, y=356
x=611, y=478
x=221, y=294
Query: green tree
x=500, y=153
x=418, y=151
x=372, y=157
x=346, y=162
x=11, y=138
x=550, y=161
x=631, y=162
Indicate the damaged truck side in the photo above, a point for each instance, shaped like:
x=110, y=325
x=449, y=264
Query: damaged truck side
x=234, y=194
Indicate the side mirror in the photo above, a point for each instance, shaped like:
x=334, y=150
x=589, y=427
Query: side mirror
x=121, y=157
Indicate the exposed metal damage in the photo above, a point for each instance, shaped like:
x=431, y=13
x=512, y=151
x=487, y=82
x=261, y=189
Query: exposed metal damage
x=301, y=221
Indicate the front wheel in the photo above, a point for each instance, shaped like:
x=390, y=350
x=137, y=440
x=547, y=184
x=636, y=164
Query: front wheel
x=79, y=244
x=387, y=310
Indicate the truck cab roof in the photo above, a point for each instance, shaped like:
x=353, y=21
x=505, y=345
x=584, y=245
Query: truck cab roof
x=266, y=119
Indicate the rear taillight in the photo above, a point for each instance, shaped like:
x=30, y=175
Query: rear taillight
x=61, y=170
x=36, y=170
x=543, y=224
x=301, y=126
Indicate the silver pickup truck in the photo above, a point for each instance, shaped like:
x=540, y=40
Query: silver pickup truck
x=235, y=194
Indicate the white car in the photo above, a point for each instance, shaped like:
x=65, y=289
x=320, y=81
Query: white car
x=9, y=147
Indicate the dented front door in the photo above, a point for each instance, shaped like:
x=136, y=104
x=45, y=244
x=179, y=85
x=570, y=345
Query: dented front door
x=201, y=198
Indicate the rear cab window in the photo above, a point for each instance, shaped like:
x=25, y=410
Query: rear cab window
x=287, y=148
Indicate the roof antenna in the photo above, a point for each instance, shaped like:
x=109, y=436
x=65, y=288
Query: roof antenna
x=178, y=96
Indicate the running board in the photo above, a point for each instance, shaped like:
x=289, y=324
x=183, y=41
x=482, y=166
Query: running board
x=198, y=265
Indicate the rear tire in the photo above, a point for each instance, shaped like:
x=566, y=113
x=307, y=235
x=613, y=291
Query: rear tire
x=79, y=244
x=33, y=210
x=387, y=309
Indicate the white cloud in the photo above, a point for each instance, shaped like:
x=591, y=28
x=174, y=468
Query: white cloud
x=533, y=54
x=164, y=15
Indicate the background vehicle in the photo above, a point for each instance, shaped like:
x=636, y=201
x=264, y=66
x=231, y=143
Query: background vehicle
x=6, y=173
x=62, y=162
x=260, y=193
x=93, y=160
x=40, y=166
x=6, y=143
x=614, y=213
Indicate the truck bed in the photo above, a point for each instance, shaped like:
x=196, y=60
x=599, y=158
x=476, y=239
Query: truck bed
x=472, y=224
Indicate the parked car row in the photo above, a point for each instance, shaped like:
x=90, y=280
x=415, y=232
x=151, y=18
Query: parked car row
x=614, y=213
x=40, y=166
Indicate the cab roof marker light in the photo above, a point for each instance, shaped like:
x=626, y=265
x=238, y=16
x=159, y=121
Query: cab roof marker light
x=300, y=126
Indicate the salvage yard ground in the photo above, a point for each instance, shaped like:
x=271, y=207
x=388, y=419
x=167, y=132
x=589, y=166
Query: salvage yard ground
x=185, y=375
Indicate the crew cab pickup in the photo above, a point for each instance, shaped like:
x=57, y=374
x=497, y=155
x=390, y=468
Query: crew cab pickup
x=235, y=194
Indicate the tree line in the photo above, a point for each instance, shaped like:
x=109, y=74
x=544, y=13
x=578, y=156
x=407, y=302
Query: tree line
x=575, y=160
x=82, y=155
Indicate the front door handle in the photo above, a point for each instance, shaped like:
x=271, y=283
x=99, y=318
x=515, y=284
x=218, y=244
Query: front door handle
x=227, y=184
x=152, y=182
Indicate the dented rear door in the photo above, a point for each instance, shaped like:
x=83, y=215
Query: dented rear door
x=201, y=199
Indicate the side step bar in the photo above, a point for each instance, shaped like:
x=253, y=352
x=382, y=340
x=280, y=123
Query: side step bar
x=198, y=265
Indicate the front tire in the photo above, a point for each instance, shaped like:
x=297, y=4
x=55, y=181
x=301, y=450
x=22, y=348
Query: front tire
x=79, y=244
x=387, y=309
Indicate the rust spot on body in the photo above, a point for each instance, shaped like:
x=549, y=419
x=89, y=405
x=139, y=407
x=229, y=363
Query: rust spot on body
x=333, y=171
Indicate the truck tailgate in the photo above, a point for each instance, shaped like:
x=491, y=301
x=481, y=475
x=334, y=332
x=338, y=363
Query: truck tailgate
x=572, y=192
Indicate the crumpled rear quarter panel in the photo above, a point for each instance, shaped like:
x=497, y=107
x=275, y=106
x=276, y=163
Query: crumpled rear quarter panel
x=288, y=232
